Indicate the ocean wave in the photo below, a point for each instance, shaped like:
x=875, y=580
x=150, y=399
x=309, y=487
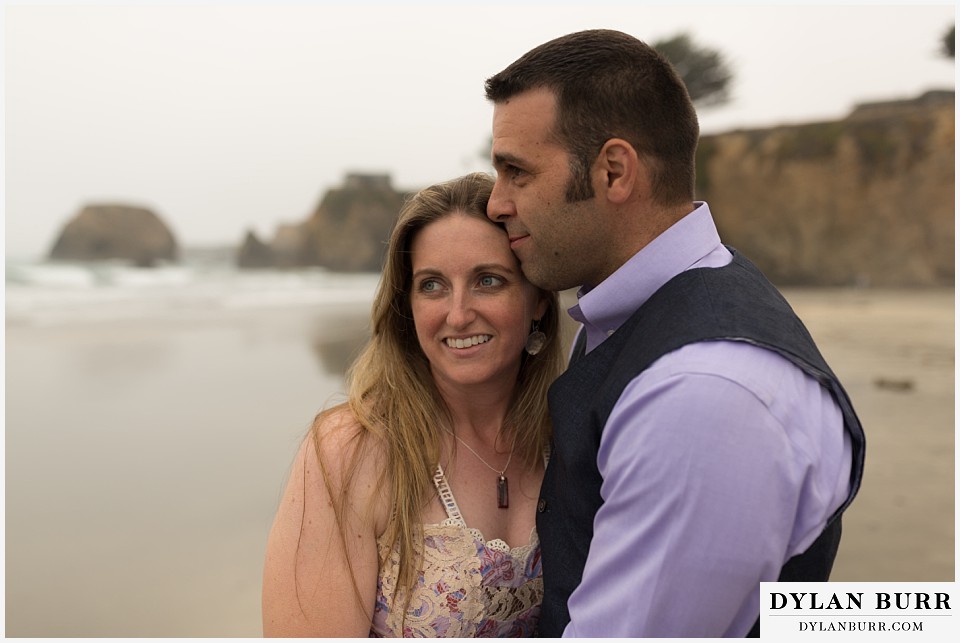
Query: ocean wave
x=51, y=293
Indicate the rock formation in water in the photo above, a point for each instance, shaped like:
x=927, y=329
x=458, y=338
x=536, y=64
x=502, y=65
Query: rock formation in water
x=111, y=231
x=254, y=253
x=348, y=231
x=867, y=200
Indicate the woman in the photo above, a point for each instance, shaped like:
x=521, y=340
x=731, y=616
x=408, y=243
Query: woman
x=410, y=509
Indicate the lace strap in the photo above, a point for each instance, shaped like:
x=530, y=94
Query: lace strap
x=446, y=497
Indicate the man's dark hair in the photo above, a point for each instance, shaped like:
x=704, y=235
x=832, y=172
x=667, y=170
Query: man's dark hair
x=610, y=85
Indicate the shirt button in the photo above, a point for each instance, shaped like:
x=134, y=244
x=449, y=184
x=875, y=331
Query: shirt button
x=542, y=505
x=610, y=332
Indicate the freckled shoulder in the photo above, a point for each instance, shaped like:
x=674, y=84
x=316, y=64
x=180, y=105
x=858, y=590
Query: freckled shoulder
x=353, y=458
x=320, y=572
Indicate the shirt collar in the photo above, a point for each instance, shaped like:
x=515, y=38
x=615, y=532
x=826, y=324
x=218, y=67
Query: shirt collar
x=605, y=307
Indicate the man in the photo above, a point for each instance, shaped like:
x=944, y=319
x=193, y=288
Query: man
x=701, y=443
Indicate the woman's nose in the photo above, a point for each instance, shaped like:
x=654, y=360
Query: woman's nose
x=462, y=311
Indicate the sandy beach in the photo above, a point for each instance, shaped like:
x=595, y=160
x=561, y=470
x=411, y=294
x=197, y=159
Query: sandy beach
x=894, y=353
x=145, y=458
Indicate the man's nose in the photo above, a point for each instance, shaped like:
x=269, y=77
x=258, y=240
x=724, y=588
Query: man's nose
x=500, y=206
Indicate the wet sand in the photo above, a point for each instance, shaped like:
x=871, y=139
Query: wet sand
x=144, y=460
x=894, y=354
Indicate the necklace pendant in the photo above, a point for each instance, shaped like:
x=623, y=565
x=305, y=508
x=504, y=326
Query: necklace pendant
x=503, y=493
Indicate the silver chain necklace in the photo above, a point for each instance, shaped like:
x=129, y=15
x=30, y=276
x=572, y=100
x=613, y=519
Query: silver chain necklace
x=503, y=488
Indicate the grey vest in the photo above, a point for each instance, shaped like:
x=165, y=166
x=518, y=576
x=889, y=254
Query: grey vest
x=735, y=302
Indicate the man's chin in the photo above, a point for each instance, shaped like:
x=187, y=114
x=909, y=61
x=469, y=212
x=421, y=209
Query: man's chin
x=542, y=279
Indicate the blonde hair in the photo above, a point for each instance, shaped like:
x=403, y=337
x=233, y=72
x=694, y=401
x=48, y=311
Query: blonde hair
x=392, y=394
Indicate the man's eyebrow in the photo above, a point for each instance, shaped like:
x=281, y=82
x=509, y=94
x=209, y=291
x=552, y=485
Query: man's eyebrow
x=505, y=158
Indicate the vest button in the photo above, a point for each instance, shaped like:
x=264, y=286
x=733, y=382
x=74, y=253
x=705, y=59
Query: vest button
x=542, y=505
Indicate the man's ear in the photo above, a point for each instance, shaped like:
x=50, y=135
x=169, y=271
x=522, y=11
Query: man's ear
x=618, y=164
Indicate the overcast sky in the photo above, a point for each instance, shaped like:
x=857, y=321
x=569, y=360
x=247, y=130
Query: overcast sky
x=230, y=116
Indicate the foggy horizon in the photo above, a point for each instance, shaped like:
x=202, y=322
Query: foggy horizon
x=226, y=118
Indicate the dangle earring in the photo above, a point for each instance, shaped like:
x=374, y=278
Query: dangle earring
x=536, y=339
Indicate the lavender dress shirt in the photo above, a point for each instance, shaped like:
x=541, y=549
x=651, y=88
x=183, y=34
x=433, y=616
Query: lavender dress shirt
x=719, y=463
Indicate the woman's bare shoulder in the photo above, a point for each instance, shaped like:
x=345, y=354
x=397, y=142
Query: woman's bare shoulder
x=340, y=438
x=347, y=456
x=323, y=539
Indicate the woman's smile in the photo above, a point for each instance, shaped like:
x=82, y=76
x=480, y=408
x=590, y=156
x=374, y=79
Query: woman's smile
x=467, y=342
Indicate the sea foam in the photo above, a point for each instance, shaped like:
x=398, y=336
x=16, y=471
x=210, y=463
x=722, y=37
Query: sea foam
x=45, y=293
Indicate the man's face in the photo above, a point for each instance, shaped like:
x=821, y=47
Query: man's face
x=559, y=244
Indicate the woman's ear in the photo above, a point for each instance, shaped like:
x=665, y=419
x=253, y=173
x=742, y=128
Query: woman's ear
x=619, y=163
x=542, y=303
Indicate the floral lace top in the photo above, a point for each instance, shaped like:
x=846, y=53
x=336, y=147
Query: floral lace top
x=468, y=586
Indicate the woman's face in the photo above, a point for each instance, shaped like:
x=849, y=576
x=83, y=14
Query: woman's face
x=471, y=305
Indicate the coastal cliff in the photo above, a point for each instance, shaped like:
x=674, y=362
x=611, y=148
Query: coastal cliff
x=867, y=200
x=864, y=201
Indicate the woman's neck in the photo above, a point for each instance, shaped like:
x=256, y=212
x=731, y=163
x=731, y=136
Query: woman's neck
x=478, y=411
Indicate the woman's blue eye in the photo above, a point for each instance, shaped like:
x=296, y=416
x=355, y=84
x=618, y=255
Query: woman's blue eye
x=490, y=281
x=429, y=285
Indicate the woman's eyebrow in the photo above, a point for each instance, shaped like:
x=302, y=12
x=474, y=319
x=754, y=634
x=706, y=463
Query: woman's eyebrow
x=493, y=266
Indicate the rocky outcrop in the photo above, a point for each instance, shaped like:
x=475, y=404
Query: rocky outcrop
x=350, y=228
x=255, y=253
x=348, y=231
x=291, y=245
x=111, y=231
x=868, y=200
